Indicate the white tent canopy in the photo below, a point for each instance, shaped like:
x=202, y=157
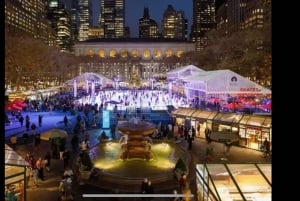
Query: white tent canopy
x=204, y=84
x=183, y=71
x=82, y=79
x=223, y=81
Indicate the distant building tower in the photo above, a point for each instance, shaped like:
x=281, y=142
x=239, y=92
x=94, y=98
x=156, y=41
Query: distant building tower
x=113, y=18
x=61, y=24
x=74, y=20
x=221, y=18
x=29, y=17
x=203, y=21
x=127, y=32
x=174, y=24
x=148, y=28
x=241, y=14
x=84, y=19
x=236, y=12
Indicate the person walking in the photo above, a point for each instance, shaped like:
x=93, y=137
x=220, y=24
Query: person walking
x=144, y=186
x=13, y=141
x=40, y=167
x=21, y=120
x=40, y=120
x=33, y=128
x=66, y=121
x=266, y=145
x=35, y=176
x=149, y=190
x=182, y=182
x=47, y=160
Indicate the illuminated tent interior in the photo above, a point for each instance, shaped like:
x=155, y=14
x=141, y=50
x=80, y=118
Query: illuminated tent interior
x=15, y=174
x=234, y=182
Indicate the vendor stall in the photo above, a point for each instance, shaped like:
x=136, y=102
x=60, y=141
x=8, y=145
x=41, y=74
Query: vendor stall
x=254, y=129
x=202, y=119
x=225, y=126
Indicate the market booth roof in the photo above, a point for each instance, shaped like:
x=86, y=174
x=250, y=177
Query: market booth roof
x=251, y=181
x=14, y=166
x=224, y=117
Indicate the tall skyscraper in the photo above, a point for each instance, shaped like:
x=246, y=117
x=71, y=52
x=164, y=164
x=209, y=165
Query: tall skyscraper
x=148, y=28
x=174, y=24
x=113, y=18
x=74, y=20
x=28, y=17
x=61, y=24
x=84, y=19
x=203, y=21
x=236, y=12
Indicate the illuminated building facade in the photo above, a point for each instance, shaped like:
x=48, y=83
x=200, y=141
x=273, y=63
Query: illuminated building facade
x=245, y=13
x=174, y=24
x=28, y=17
x=61, y=23
x=203, y=21
x=96, y=32
x=117, y=57
x=74, y=20
x=113, y=18
x=84, y=19
x=148, y=28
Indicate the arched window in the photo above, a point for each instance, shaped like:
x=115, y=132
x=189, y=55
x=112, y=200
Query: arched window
x=90, y=53
x=134, y=53
x=101, y=53
x=157, y=53
x=124, y=53
x=112, y=53
x=179, y=53
x=169, y=53
x=146, y=53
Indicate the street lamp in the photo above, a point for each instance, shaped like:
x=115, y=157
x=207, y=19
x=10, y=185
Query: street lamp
x=152, y=81
x=117, y=79
x=256, y=103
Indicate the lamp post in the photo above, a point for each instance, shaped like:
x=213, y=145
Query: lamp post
x=117, y=79
x=152, y=82
x=256, y=103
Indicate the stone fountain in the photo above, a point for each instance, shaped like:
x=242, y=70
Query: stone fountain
x=135, y=142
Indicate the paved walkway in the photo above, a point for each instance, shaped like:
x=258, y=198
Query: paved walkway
x=48, y=189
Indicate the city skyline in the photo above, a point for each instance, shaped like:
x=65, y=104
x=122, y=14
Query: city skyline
x=134, y=11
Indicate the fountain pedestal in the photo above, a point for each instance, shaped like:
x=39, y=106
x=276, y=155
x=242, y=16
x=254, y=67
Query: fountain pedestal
x=136, y=144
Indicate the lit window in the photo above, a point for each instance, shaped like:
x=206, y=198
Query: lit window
x=157, y=53
x=147, y=53
x=168, y=53
x=112, y=53
x=124, y=53
x=90, y=53
x=102, y=53
x=134, y=53
x=179, y=52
